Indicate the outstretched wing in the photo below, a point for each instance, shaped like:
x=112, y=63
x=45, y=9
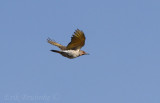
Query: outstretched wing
x=77, y=40
x=56, y=44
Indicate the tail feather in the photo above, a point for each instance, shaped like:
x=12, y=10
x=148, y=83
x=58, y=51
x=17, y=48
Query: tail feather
x=56, y=51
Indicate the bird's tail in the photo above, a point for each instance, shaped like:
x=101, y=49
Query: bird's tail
x=56, y=51
x=56, y=44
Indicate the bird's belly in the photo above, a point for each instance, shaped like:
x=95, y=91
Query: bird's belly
x=70, y=53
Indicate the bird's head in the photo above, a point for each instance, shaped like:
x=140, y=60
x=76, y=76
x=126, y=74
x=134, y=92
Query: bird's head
x=83, y=53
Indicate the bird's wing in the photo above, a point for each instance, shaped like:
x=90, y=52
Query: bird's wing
x=56, y=44
x=77, y=40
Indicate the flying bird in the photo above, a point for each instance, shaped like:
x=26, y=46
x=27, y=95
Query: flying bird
x=73, y=49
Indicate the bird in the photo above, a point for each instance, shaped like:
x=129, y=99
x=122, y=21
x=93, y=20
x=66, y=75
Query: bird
x=73, y=49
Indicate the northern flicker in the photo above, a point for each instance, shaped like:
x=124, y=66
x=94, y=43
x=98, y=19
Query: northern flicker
x=72, y=50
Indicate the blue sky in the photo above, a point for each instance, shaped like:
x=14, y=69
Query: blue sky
x=123, y=39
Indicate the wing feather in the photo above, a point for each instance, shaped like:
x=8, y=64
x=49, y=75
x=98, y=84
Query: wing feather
x=56, y=44
x=77, y=40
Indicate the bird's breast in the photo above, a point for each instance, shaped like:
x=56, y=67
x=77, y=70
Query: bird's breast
x=71, y=53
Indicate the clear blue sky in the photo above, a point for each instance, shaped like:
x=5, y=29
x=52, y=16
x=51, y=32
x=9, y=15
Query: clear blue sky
x=123, y=39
